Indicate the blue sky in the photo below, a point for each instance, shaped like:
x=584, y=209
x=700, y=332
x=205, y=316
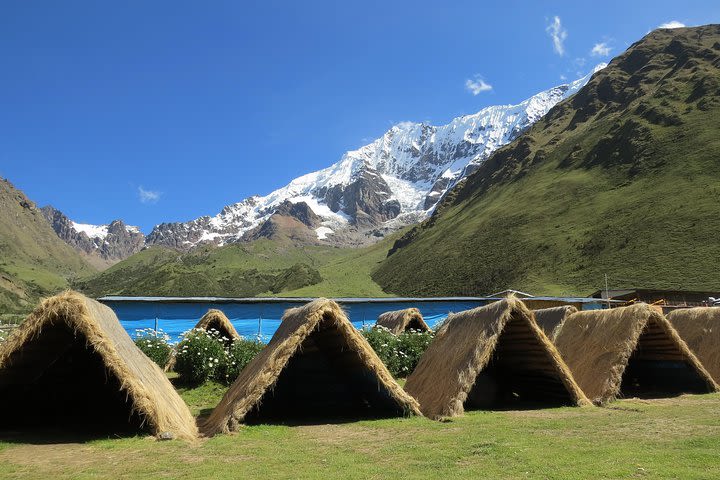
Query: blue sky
x=168, y=110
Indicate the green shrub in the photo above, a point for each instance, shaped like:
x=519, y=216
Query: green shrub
x=385, y=345
x=400, y=353
x=154, y=344
x=237, y=355
x=198, y=356
x=411, y=346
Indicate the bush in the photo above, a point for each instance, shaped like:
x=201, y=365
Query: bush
x=411, y=346
x=154, y=344
x=400, y=353
x=198, y=355
x=203, y=356
x=237, y=355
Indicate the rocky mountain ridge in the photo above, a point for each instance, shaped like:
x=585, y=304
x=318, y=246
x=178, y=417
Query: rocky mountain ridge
x=109, y=243
x=392, y=182
x=395, y=181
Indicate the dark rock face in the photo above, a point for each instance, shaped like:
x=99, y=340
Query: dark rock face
x=121, y=241
x=283, y=227
x=179, y=235
x=438, y=189
x=185, y=235
x=300, y=211
x=63, y=227
x=366, y=200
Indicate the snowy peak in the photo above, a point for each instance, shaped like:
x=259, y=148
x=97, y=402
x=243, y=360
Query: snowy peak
x=393, y=181
x=99, y=233
x=107, y=243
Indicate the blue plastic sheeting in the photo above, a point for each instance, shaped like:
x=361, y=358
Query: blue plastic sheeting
x=263, y=319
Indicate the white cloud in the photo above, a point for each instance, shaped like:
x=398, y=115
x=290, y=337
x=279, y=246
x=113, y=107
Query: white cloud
x=563, y=77
x=148, y=196
x=672, y=24
x=558, y=35
x=478, y=85
x=405, y=124
x=601, y=49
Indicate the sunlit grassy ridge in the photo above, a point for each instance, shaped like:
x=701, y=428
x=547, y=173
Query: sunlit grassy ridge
x=259, y=268
x=33, y=261
x=623, y=179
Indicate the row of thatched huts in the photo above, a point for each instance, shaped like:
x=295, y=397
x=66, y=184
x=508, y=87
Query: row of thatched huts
x=71, y=365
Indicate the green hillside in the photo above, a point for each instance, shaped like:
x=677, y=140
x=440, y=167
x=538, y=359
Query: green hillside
x=623, y=178
x=34, y=262
x=260, y=268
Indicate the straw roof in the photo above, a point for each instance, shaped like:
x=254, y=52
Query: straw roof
x=551, y=319
x=216, y=319
x=598, y=346
x=543, y=303
x=480, y=355
x=316, y=355
x=700, y=329
x=71, y=348
x=399, y=321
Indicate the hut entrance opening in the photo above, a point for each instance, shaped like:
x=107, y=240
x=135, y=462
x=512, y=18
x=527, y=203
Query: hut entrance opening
x=657, y=368
x=414, y=324
x=520, y=375
x=223, y=332
x=325, y=380
x=58, y=381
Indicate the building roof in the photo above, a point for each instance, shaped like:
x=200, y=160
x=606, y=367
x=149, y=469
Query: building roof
x=113, y=298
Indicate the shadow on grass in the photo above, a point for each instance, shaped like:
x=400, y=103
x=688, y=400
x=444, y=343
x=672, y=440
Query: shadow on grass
x=317, y=418
x=518, y=406
x=59, y=435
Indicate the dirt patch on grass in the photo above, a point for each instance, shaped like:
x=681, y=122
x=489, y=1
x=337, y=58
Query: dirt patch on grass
x=71, y=455
x=549, y=413
x=343, y=434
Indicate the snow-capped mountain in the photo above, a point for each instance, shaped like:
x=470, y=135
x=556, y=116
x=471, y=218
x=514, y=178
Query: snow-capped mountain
x=394, y=181
x=109, y=243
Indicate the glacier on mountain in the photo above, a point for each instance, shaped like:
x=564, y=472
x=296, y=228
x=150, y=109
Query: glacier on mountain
x=395, y=180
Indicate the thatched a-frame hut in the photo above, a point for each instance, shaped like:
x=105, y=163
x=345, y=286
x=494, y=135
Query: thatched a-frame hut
x=316, y=366
x=491, y=357
x=543, y=303
x=629, y=352
x=71, y=365
x=217, y=320
x=399, y=321
x=700, y=328
x=551, y=319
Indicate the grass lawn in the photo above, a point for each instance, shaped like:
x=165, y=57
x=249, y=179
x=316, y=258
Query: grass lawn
x=665, y=438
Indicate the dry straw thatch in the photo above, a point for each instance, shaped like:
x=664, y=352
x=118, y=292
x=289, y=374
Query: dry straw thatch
x=551, y=319
x=539, y=304
x=216, y=319
x=72, y=364
x=629, y=351
x=317, y=365
x=700, y=329
x=399, y=321
x=491, y=357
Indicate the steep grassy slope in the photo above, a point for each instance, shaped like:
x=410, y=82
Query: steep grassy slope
x=260, y=268
x=623, y=178
x=33, y=261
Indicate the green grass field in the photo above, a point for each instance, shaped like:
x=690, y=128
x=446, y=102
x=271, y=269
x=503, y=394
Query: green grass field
x=664, y=438
x=621, y=179
x=259, y=268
